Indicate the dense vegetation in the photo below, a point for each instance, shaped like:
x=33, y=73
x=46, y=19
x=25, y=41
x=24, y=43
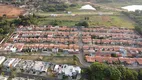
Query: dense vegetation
x=137, y=17
x=83, y=23
x=26, y=20
x=100, y=71
x=103, y=1
x=57, y=7
x=7, y=26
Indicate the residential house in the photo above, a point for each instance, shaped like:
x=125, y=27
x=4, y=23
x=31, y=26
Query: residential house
x=40, y=66
x=67, y=70
x=25, y=65
x=15, y=62
x=8, y=63
x=2, y=59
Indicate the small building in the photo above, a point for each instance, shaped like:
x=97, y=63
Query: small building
x=40, y=66
x=3, y=77
x=25, y=65
x=17, y=47
x=8, y=63
x=67, y=70
x=15, y=62
x=2, y=58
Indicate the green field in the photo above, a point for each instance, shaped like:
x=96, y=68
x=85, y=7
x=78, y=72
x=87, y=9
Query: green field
x=94, y=20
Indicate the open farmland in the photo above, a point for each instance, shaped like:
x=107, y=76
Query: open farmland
x=10, y=11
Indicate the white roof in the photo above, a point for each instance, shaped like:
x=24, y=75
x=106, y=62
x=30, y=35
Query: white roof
x=16, y=62
x=25, y=64
x=41, y=66
x=2, y=58
x=9, y=62
x=78, y=69
x=87, y=7
x=67, y=70
x=4, y=77
x=13, y=49
x=133, y=7
x=56, y=67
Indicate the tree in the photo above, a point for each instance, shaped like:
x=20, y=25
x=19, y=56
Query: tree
x=131, y=75
x=13, y=73
x=2, y=73
x=26, y=20
x=1, y=30
x=100, y=71
x=113, y=55
x=74, y=57
x=127, y=74
x=52, y=9
x=4, y=15
x=123, y=72
x=56, y=22
x=140, y=74
x=84, y=23
x=112, y=73
x=97, y=71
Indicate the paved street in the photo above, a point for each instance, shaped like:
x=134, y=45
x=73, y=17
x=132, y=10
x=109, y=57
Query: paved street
x=81, y=54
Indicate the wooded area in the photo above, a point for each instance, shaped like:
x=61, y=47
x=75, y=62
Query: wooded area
x=100, y=71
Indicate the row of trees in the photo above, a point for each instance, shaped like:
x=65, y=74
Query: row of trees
x=26, y=20
x=104, y=1
x=56, y=7
x=100, y=71
x=5, y=26
x=58, y=22
x=137, y=17
x=83, y=23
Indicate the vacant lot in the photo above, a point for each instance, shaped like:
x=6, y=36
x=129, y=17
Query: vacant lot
x=53, y=59
x=10, y=11
x=94, y=20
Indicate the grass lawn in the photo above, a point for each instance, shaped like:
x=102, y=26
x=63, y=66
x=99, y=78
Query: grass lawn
x=94, y=20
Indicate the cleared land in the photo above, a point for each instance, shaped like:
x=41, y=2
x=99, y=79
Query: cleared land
x=10, y=11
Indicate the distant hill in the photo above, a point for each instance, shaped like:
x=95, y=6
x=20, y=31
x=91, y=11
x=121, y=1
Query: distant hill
x=74, y=1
